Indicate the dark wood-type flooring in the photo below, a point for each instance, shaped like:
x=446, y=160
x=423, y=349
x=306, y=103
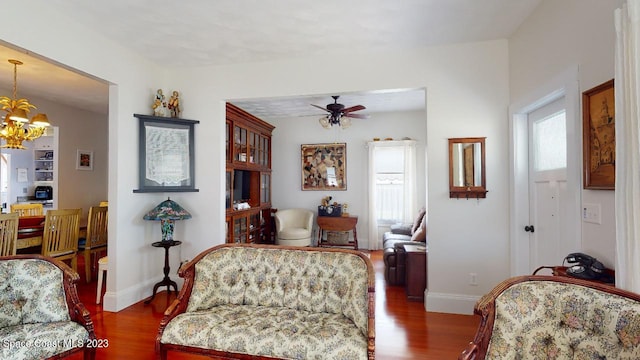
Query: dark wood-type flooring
x=404, y=330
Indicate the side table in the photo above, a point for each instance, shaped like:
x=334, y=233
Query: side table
x=415, y=271
x=166, y=280
x=608, y=278
x=337, y=223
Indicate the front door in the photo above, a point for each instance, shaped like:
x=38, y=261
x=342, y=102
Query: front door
x=551, y=227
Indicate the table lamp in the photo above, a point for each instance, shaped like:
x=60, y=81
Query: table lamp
x=167, y=212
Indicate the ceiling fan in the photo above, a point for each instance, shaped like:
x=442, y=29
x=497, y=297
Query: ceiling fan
x=338, y=114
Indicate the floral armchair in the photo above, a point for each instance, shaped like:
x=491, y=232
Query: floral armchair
x=556, y=317
x=41, y=316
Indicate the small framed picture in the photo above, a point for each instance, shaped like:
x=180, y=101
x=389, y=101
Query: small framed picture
x=84, y=160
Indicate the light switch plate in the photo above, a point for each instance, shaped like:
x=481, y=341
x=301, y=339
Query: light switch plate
x=591, y=213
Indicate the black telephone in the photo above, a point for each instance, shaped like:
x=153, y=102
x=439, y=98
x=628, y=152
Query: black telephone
x=586, y=267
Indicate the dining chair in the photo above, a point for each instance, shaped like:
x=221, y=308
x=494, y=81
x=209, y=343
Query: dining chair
x=60, y=235
x=103, y=267
x=96, y=238
x=27, y=209
x=8, y=233
x=104, y=203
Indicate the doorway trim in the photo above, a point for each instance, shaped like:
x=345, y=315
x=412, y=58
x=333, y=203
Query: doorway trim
x=566, y=84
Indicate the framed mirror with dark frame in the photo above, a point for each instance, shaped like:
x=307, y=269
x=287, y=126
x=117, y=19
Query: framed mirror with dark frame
x=467, y=174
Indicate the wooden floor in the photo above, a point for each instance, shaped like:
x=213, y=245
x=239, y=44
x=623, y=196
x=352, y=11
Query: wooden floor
x=403, y=329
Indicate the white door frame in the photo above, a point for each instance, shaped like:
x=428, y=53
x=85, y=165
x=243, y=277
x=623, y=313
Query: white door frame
x=566, y=84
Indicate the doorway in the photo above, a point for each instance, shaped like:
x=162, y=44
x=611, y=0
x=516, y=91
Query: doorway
x=5, y=188
x=545, y=199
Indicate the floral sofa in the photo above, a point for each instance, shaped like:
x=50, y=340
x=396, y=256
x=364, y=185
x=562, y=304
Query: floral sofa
x=40, y=314
x=243, y=301
x=556, y=317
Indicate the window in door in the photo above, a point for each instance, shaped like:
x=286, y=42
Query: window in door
x=550, y=142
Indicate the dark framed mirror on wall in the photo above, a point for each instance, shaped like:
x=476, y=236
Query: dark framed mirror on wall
x=467, y=174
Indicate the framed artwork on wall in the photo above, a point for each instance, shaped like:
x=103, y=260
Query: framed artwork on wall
x=84, y=160
x=324, y=166
x=166, y=154
x=599, y=141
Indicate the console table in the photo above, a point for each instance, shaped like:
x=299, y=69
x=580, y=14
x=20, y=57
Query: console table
x=609, y=279
x=416, y=271
x=337, y=223
x=166, y=280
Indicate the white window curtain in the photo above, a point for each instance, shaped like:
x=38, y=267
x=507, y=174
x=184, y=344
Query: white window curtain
x=627, y=194
x=409, y=191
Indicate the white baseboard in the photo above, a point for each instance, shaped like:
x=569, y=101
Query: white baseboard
x=450, y=303
x=116, y=301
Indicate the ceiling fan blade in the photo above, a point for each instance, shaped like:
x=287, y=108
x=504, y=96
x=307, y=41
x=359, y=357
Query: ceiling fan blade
x=353, y=108
x=356, y=116
x=320, y=107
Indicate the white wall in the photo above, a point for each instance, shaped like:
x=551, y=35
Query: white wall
x=467, y=95
x=290, y=133
x=561, y=34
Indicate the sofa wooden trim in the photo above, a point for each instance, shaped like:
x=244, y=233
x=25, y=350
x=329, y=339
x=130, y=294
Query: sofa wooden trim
x=187, y=272
x=485, y=308
x=77, y=311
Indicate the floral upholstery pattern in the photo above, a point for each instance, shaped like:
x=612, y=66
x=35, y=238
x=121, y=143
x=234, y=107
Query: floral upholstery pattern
x=31, y=291
x=40, y=341
x=284, y=303
x=555, y=320
x=34, y=316
x=270, y=331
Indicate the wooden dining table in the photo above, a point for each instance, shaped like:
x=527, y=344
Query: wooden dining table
x=30, y=230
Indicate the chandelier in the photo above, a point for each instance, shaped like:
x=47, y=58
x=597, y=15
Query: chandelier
x=16, y=126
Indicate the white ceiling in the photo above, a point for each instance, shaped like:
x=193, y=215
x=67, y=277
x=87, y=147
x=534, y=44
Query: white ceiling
x=204, y=32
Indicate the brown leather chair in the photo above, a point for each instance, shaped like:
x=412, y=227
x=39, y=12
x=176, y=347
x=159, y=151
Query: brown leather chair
x=392, y=244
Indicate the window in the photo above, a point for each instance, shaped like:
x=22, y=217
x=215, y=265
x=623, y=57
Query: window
x=391, y=191
x=392, y=185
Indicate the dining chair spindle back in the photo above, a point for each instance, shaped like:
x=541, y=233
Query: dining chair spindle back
x=60, y=235
x=8, y=234
x=96, y=239
x=27, y=209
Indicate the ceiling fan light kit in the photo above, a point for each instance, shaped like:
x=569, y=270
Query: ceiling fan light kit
x=13, y=129
x=339, y=115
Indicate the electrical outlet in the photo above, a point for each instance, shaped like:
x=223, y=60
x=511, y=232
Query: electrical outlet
x=473, y=279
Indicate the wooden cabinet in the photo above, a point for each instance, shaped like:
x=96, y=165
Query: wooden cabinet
x=415, y=271
x=248, y=177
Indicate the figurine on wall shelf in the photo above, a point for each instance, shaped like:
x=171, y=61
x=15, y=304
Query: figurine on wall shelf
x=174, y=105
x=159, y=104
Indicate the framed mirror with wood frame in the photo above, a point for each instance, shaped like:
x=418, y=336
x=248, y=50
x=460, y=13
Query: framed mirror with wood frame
x=467, y=174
